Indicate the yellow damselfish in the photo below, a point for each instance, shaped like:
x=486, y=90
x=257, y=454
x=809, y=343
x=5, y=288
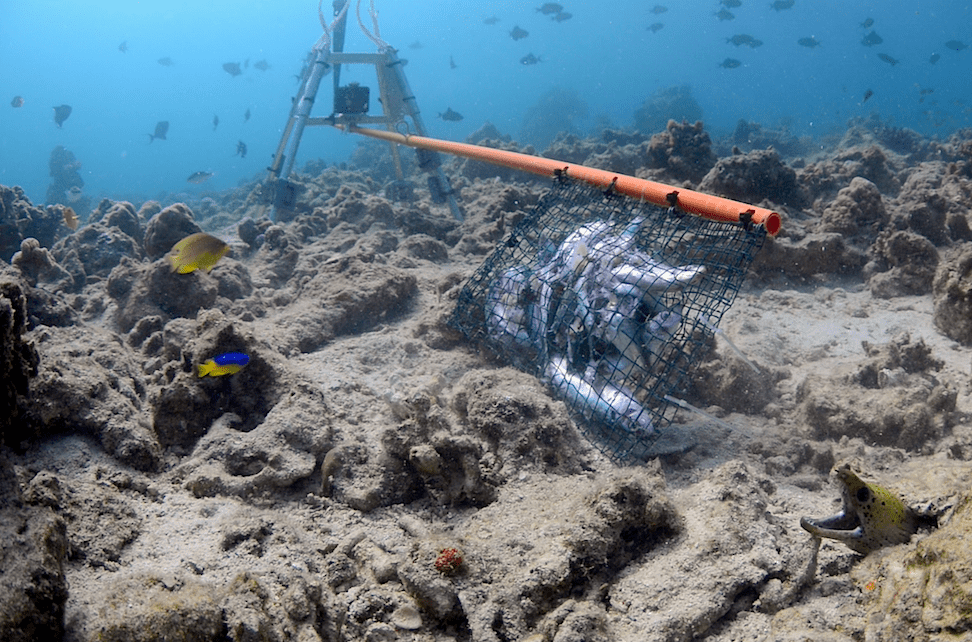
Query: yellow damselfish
x=199, y=250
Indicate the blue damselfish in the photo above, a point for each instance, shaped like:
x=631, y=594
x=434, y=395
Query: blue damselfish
x=224, y=364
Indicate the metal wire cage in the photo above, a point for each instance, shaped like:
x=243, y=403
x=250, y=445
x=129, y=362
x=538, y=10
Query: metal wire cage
x=609, y=301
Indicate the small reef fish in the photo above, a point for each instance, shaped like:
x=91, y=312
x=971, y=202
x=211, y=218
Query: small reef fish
x=725, y=14
x=450, y=115
x=519, y=34
x=61, y=114
x=199, y=250
x=888, y=59
x=161, y=129
x=659, y=9
x=563, y=15
x=868, y=23
x=530, y=59
x=730, y=63
x=452, y=63
x=871, y=39
x=490, y=20
x=415, y=45
x=780, y=5
x=215, y=122
x=744, y=39
x=550, y=8
x=956, y=45
x=199, y=177
x=240, y=149
x=872, y=517
x=17, y=102
x=262, y=65
x=935, y=57
x=70, y=218
x=810, y=42
x=232, y=68
x=123, y=47
x=74, y=194
x=867, y=94
x=656, y=27
x=246, y=116
x=223, y=364
x=165, y=62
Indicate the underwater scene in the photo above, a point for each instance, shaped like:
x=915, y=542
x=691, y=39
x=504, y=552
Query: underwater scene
x=478, y=322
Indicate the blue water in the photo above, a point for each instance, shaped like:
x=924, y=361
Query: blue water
x=66, y=52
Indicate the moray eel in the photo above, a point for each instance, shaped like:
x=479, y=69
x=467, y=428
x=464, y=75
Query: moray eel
x=873, y=516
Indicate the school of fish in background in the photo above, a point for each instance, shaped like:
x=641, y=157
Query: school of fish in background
x=234, y=69
x=737, y=47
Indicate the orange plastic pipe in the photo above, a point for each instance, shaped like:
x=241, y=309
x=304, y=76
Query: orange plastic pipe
x=714, y=208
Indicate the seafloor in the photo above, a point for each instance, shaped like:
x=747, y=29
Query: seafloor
x=308, y=496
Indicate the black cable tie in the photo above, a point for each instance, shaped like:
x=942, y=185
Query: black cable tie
x=609, y=190
x=673, y=208
x=746, y=218
x=561, y=174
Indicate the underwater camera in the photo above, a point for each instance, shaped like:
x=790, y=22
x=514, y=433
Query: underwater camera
x=351, y=99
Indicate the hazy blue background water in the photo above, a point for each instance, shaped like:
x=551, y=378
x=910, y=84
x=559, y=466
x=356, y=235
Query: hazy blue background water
x=66, y=51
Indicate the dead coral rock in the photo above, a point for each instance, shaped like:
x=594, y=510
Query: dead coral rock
x=33, y=588
x=584, y=531
x=345, y=295
x=892, y=399
x=365, y=477
x=232, y=279
x=358, y=209
x=119, y=214
x=730, y=383
x=454, y=468
x=13, y=205
x=19, y=219
x=825, y=178
x=952, y=289
x=496, y=207
x=284, y=449
x=873, y=164
x=89, y=383
x=145, y=607
x=100, y=521
x=98, y=249
x=18, y=358
x=858, y=209
x=684, y=151
x=147, y=289
x=38, y=266
x=923, y=205
x=913, y=357
x=511, y=411
x=424, y=247
x=754, y=177
x=816, y=253
x=167, y=228
x=909, y=263
x=725, y=523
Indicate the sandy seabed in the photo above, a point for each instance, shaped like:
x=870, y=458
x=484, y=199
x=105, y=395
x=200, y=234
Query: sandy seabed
x=309, y=496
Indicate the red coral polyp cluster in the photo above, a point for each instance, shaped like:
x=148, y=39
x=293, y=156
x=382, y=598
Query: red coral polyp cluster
x=448, y=561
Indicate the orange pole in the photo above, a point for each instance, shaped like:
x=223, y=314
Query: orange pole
x=714, y=208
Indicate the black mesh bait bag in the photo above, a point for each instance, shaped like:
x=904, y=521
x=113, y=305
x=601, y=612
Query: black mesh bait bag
x=610, y=302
